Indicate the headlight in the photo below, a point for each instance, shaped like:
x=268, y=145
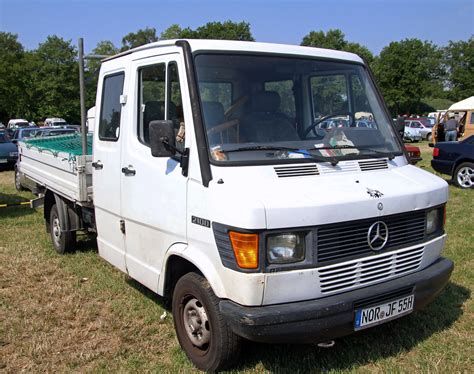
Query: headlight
x=286, y=248
x=13, y=154
x=433, y=221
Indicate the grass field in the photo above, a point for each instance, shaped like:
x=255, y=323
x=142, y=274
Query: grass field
x=77, y=313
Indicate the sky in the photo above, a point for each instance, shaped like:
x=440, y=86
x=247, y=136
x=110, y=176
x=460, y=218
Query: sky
x=373, y=23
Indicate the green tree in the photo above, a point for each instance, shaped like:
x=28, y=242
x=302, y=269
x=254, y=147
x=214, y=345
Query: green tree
x=227, y=30
x=12, y=54
x=54, y=77
x=335, y=39
x=173, y=32
x=459, y=60
x=141, y=37
x=407, y=71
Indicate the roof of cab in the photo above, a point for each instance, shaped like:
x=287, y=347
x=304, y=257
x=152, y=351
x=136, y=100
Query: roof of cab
x=239, y=46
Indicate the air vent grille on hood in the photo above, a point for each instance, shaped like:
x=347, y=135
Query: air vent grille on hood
x=296, y=171
x=373, y=164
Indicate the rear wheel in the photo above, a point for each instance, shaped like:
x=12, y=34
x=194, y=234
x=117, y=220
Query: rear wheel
x=202, y=332
x=18, y=184
x=464, y=175
x=63, y=241
x=429, y=137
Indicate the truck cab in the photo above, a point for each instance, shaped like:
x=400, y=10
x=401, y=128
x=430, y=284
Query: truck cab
x=215, y=185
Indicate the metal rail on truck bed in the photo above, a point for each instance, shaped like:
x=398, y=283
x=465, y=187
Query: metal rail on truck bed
x=57, y=164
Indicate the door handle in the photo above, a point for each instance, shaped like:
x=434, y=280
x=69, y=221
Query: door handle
x=97, y=165
x=129, y=171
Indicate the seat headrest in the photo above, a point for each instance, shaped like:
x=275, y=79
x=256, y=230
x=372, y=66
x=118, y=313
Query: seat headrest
x=266, y=101
x=213, y=112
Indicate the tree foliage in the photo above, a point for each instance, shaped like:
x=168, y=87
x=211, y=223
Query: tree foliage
x=335, y=39
x=407, y=71
x=227, y=30
x=459, y=60
x=138, y=38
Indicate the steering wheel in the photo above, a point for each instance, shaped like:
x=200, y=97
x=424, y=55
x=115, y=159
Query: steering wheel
x=312, y=127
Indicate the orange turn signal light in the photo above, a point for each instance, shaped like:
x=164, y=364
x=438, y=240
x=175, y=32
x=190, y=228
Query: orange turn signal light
x=245, y=248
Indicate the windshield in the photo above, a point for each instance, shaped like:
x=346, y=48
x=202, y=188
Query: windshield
x=268, y=108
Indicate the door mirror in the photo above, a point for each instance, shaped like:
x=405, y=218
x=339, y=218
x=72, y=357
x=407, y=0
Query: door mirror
x=162, y=138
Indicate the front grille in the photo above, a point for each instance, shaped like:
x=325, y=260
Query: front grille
x=342, y=241
x=379, y=299
x=369, y=270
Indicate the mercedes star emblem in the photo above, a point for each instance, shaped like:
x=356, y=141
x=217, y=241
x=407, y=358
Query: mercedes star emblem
x=377, y=236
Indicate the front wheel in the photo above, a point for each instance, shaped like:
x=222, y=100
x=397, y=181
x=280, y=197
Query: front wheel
x=464, y=175
x=202, y=332
x=63, y=241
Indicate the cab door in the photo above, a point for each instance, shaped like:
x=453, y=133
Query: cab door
x=106, y=169
x=153, y=190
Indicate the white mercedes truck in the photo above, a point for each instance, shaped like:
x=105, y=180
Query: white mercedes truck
x=259, y=187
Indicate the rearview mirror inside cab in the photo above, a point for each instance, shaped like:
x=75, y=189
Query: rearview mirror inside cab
x=162, y=138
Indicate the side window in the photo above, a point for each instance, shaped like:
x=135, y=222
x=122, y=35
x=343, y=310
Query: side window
x=109, y=121
x=287, y=96
x=216, y=92
x=175, y=104
x=361, y=104
x=151, y=98
x=329, y=93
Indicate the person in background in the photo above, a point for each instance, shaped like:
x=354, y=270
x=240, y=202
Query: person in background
x=451, y=128
x=400, y=125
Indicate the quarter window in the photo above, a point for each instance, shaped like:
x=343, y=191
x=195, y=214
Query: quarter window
x=111, y=109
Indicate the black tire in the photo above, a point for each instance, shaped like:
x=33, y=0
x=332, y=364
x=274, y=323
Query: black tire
x=463, y=176
x=19, y=187
x=63, y=241
x=217, y=347
x=429, y=137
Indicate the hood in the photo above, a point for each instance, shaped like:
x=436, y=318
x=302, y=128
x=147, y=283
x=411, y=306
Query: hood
x=340, y=196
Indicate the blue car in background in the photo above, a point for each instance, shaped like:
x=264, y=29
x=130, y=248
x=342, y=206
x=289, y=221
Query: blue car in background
x=22, y=133
x=8, y=152
x=456, y=159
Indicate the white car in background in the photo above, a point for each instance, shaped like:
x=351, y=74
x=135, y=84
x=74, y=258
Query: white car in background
x=411, y=134
x=55, y=122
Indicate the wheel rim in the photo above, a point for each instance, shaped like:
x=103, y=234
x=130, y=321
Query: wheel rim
x=466, y=177
x=196, y=323
x=56, y=230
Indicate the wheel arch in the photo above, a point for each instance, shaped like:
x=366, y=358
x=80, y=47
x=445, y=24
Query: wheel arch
x=178, y=263
x=459, y=162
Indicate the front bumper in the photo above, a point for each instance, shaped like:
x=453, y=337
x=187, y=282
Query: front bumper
x=327, y=318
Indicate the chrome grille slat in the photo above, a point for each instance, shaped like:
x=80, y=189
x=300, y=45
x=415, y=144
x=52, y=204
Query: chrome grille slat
x=369, y=270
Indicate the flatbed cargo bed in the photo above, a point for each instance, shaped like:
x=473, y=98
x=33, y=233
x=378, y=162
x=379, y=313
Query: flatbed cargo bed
x=57, y=164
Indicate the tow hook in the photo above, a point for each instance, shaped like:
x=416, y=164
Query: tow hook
x=328, y=344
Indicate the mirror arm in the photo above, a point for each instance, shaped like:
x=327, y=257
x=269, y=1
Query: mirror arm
x=184, y=159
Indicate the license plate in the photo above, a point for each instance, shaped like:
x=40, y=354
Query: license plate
x=3, y=160
x=377, y=314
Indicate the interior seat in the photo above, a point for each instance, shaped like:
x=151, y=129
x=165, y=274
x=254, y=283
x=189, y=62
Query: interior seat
x=265, y=124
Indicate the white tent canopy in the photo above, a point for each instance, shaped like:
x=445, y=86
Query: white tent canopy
x=466, y=104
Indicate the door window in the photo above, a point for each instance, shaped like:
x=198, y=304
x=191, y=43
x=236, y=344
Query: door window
x=111, y=109
x=152, y=80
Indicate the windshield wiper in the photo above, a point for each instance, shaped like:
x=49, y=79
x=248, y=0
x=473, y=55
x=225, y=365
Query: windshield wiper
x=389, y=155
x=304, y=152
